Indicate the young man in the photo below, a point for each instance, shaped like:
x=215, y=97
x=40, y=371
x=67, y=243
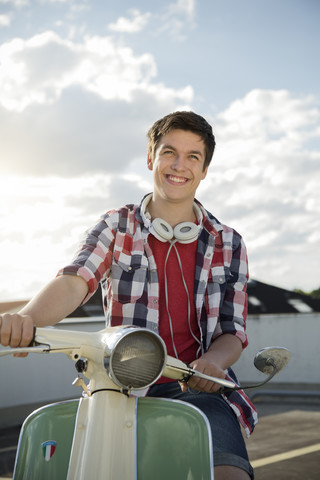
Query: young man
x=170, y=266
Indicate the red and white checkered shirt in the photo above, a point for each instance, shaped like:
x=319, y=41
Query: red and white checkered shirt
x=116, y=253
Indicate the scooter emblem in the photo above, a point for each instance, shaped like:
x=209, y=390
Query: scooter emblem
x=48, y=449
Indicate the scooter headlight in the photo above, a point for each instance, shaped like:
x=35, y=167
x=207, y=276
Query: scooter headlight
x=137, y=358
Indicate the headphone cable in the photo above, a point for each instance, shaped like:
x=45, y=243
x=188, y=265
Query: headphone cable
x=172, y=245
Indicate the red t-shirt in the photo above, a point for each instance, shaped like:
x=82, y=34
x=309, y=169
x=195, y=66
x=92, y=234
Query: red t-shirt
x=185, y=344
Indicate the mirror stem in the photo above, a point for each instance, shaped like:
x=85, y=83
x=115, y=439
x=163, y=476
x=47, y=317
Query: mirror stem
x=269, y=361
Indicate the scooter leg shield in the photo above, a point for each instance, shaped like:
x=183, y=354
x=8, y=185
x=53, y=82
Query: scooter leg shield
x=45, y=442
x=170, y=439
x=173, y=441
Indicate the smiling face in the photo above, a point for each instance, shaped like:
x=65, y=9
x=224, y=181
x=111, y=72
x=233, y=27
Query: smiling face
x=178, y=167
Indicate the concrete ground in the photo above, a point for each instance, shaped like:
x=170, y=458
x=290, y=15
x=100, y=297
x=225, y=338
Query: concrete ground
x=284, y=446
x=286, y=442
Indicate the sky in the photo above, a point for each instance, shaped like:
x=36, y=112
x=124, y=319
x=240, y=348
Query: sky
x=82, y=81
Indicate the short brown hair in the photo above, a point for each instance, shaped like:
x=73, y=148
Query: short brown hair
x=188, y=121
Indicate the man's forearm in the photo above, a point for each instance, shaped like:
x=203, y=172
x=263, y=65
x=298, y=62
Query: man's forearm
x=57, y=300
x=224, y=351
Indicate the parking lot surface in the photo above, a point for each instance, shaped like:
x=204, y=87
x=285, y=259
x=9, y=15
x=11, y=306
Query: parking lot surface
x=286, y=442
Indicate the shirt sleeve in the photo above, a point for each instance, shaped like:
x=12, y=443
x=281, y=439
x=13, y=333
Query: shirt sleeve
x=233, y=309
x=93, y=258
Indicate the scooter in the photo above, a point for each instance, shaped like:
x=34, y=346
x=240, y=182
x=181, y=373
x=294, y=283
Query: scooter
x=113, y=432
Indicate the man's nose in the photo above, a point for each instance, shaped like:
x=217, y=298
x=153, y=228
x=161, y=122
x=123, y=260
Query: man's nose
x=178, y=163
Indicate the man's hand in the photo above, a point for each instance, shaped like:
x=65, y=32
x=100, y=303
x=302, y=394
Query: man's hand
x=223, y=352
x=54, y=302
x=209, y=368
x=16, y=330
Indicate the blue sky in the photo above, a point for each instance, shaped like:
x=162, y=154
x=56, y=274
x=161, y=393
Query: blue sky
x=82, y=81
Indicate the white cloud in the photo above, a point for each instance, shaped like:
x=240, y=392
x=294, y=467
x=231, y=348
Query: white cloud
x=135, y=24
x=56, y=1
x=281, y=113
x=178, y=19
x=5, y=20
x=184, y=8
x=66, y=107
x=15, y=3
x=38, y=70
x=79, y=133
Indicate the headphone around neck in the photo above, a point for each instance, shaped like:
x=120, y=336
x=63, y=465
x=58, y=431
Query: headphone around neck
x=185, y=232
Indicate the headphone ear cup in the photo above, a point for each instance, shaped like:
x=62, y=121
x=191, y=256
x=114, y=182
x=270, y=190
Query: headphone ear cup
x=186, y=232
x=162, y=230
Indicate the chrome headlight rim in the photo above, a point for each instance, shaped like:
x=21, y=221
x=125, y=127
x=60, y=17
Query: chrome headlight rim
x=113, y=345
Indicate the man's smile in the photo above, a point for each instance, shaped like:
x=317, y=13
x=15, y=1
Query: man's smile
x=176, y=180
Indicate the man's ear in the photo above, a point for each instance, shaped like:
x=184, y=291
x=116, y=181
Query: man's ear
x=149, y=162
x=204, y=173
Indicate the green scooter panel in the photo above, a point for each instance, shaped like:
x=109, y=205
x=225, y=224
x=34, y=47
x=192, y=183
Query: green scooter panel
x=45, y=442
x=174, y=441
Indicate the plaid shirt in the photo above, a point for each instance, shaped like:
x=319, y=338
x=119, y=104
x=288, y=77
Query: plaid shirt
x=116, y=253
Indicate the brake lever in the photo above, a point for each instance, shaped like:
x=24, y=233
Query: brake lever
x=33, y=342
x=38, y=349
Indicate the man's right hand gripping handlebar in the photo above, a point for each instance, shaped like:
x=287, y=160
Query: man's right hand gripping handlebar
x=16, y=330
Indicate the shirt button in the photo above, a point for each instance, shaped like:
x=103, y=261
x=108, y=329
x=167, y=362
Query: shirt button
x=129, y=268
x=220, y=279
x=208, y=254
x=155, y=301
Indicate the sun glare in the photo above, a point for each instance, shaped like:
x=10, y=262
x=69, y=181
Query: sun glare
x=42, y=220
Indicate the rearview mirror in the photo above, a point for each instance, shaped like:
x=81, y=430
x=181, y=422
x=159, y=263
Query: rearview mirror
x=272, y=359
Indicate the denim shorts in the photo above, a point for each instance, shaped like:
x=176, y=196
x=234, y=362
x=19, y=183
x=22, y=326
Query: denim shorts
x=228, y=444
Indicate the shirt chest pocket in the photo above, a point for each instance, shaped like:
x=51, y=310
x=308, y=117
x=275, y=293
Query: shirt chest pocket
x=217, y=281
x=129, y=277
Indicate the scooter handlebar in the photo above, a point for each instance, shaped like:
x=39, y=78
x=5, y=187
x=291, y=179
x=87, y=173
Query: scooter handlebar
x=178, y=370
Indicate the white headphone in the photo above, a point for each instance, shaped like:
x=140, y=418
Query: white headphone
x=185, y=232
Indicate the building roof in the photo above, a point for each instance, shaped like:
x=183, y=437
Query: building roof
x=262, y=298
